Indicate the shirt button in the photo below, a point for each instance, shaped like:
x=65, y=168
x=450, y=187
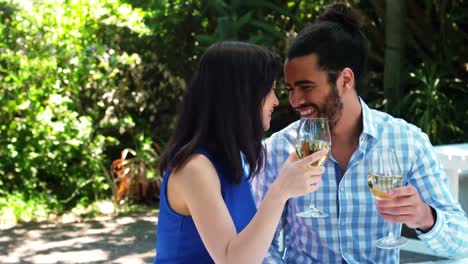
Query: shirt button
x=342, y=189
x=342, y=223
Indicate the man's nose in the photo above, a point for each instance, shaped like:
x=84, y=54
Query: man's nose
x=296, y=97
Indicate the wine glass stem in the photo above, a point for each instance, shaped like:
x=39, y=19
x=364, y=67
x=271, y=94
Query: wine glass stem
x=391, y=226
x=312, y=202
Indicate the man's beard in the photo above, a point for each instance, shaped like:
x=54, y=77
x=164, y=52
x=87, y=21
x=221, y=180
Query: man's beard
x=332, y=108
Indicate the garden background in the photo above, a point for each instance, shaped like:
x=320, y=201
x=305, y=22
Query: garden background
x=83, y=80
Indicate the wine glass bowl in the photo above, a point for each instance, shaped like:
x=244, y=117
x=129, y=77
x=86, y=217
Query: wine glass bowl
x=385, y=174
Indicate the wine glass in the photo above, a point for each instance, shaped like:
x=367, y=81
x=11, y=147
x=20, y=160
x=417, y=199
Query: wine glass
x=384, y=175
x=313, y=134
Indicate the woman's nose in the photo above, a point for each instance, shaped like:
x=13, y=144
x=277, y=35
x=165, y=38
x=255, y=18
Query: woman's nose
x=276, y=102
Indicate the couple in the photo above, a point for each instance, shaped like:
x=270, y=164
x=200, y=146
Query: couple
x=216, y=156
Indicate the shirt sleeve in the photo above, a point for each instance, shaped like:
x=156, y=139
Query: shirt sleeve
x=449, y=235
x=260, y=185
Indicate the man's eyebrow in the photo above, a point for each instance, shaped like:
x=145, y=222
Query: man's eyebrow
x=302, y=82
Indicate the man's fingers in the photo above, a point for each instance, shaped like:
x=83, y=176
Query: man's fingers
x=397, y=202
x=401, y=210
x=397, y=218
x=403, y=191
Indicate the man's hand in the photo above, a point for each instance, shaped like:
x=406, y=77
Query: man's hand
x=406, y=207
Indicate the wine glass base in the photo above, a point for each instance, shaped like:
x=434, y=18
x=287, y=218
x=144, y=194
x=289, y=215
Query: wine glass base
x=312, y=213
x=391, y=242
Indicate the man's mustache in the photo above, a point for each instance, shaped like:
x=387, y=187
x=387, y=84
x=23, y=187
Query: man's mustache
x=306, y=105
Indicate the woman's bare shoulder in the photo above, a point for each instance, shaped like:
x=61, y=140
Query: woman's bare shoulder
x=198, y=170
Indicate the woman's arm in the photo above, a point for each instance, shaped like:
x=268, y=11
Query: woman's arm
x=199, y=186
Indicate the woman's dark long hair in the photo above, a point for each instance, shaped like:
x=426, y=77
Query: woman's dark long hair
x=222, y=109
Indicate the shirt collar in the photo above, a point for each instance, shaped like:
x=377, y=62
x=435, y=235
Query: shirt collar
x=368, y=121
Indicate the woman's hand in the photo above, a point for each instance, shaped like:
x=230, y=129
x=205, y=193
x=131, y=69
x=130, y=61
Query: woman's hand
x=297, y=177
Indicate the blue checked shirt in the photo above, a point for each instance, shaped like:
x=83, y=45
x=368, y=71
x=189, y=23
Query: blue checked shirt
x=353, y=226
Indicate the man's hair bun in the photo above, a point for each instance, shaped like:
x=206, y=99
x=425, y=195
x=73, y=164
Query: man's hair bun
x=342, y=14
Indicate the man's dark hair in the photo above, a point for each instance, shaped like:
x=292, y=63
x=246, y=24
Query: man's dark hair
x=338, y=42
x=222, y=109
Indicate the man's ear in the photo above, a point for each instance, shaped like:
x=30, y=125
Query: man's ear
x=345, y=82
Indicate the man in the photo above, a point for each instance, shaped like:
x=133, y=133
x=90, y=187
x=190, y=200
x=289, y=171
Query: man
x=324, y=69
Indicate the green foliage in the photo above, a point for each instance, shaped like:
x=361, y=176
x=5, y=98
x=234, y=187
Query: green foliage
x=70, y=91
x=252, y=21
x=434, y=82
x=147, y=154
x=16, y=206
x=437, y=86
x=432, y=109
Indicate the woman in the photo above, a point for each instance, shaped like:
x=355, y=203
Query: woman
x=207, y=212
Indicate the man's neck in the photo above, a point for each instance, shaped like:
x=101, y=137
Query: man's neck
x=350, y=125
x=345, y=135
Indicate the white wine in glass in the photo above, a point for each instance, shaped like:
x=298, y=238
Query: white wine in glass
x=385, y=174
x=313, y=134
x=380, y=184
x=304, y=148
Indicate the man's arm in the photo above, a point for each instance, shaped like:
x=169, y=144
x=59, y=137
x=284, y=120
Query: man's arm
x=448, y=235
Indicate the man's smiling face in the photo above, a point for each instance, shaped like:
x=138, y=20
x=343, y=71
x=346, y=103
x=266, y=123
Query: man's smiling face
x=310, y=93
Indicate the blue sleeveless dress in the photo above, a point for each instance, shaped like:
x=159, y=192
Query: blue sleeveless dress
x=178, y=240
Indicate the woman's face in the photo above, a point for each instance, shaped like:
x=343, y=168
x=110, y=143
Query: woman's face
x=270, y=102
